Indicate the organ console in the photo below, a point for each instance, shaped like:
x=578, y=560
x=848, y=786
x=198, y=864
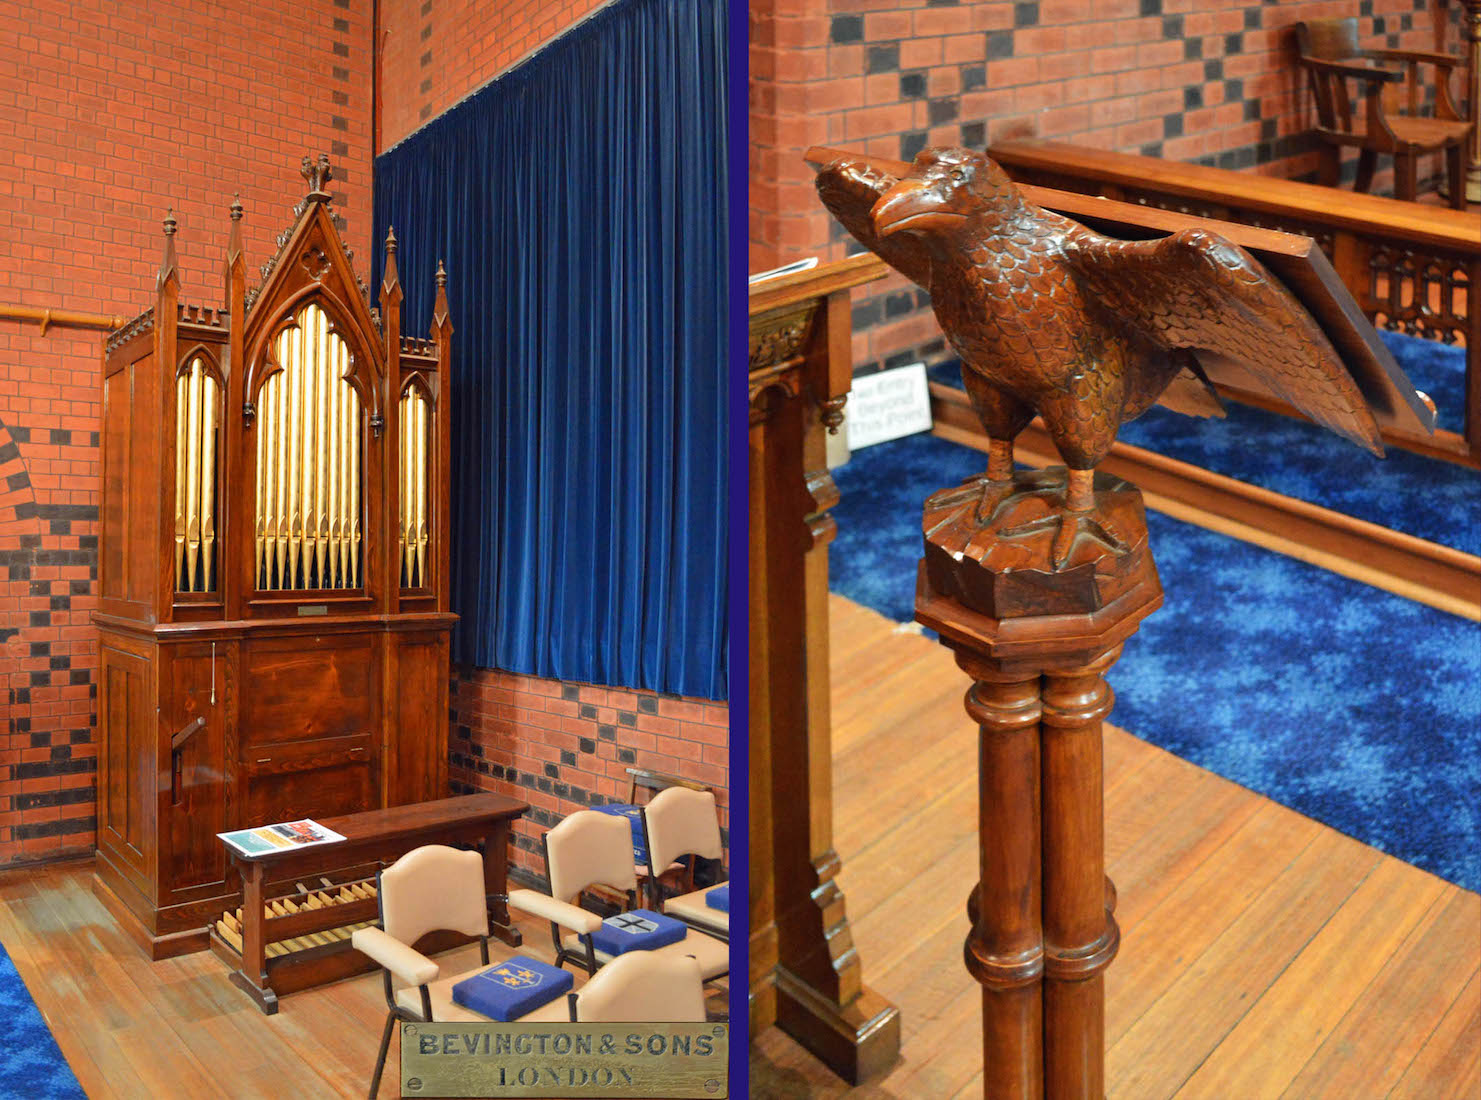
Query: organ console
x=273, y=584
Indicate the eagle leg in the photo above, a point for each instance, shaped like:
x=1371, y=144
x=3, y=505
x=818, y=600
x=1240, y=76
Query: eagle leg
x=998, y=486
x=1003, y=416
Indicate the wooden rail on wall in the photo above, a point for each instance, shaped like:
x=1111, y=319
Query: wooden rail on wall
x=1412, y=268
x=45, y=316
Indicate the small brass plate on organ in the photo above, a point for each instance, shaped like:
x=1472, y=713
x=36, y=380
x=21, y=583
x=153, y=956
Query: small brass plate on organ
x=493, y=1059
x=313, y=609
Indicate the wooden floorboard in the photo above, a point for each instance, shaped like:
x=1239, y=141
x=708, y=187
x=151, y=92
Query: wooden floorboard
x=178, y=1028
x=1263, y=954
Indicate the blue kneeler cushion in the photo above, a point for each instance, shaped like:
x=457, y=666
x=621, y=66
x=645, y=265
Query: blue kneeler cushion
x=512, y=989
x=719, y=898
x=638, y=930
x=634, y=817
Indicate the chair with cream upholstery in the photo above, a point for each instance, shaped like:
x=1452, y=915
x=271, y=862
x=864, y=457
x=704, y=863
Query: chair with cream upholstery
x=432, y=888
x=588, y=850
x=682, y=824
x=588, y=845
x=649, y=783
x=642, y=986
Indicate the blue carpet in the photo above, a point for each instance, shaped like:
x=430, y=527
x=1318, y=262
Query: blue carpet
x=31, y=1065
x=1430, y=499
x=1267, y=671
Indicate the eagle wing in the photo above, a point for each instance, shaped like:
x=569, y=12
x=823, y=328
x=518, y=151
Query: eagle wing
x=1194, y=289
x=849, y=189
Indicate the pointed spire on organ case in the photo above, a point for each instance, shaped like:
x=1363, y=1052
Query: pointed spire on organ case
x=390, y=299
x=234, y=244
x=169, y=267
x=236, y=258
x=439, y=307
x=391, y=278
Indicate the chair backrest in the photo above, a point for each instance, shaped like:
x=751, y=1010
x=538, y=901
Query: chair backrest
x=644, y=986
x=646, y=779
x=433, y=888
x=681, y=822
x=589, y=849
x=1329, y=39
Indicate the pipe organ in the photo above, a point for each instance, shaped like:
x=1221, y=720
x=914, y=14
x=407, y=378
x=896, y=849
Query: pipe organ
x=272, y=613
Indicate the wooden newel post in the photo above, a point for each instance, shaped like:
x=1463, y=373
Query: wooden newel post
x=1036, y=641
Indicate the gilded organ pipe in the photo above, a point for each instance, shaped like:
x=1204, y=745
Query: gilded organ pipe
x=208, y=484
x=308, y=463
x=196, y=400
x=414, y=449
x=182, y=436
x=420, y=476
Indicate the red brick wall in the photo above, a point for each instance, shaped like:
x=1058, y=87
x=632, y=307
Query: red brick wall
x=435, y=52
x=110, y=113
x=1182, y=79
x=564, y=747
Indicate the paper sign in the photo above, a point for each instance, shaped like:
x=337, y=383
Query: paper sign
x=888, y=405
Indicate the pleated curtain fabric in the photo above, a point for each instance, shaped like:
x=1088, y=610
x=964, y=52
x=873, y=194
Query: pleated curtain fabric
x=579, y=204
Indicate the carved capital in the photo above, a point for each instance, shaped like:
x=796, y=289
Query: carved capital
x=780, y=337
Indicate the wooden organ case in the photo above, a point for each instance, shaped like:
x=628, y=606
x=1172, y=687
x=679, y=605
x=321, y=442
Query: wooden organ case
x=273, y=599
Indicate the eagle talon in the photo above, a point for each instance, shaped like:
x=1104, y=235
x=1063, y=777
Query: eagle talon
x=994, y=495
x=1068, y=528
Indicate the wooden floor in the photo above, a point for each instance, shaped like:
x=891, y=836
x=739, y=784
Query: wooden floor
x=1262, y=954
x=178, y=1028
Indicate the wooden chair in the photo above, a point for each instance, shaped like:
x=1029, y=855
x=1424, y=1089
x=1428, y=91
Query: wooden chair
x=648, y=784
x=645, y=779
x=681, y=824
x=1331, y=56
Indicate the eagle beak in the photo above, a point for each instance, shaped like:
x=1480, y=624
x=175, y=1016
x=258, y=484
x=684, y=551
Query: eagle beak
x=913, y=203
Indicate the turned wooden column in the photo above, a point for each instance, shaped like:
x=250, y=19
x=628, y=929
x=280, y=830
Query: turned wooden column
x=1080, y=935
x=1037, y=641
x=1471, y=27
x=1005, y=948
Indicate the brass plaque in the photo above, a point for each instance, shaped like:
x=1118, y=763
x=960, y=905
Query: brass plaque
x=564, y=1060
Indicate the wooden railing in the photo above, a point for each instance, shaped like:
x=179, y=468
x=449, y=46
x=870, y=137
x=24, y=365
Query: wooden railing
x=1412, y=268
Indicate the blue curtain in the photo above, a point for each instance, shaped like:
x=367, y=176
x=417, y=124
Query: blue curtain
x=579, y=203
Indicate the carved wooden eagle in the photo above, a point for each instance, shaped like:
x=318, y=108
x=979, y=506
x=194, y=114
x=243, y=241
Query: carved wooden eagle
x=1087, y=331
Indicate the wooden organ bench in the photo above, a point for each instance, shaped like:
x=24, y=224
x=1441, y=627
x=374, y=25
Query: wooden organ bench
x=288, y=936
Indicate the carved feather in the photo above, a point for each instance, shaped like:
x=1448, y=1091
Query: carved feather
x=1196, y=290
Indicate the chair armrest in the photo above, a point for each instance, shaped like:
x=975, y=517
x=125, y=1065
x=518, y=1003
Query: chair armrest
x=408, y=964
x=562, y=912
x=1424, y=57
x=1362, y=72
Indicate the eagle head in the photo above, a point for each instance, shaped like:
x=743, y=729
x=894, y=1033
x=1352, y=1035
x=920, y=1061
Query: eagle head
x=945, y=190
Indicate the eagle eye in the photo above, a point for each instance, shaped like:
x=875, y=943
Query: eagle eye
x=958, y=175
